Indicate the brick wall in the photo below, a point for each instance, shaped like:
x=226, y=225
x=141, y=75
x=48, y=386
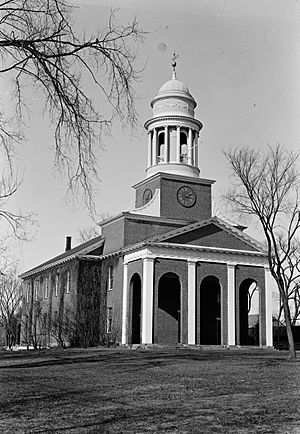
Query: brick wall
x=171, y=208
x=114, y=297
x=205, y=269
x=41, y=313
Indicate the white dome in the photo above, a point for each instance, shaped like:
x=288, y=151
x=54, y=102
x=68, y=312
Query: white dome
x=173, y=98
x=174, y=85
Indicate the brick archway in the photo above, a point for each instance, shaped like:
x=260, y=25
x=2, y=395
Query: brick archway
x=135, y=292
x=248, y=320
x=169, y=306
x=210, y=311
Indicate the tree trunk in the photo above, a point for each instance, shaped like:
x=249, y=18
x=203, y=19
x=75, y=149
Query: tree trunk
x=288, y=324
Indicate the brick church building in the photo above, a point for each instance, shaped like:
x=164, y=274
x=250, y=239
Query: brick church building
x=165, y=272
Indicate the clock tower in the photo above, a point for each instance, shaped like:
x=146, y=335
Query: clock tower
x=172, y=187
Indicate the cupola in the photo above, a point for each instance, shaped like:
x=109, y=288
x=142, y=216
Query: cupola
x=173, y=131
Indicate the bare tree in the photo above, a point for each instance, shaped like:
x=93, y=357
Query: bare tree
x=10, y=303
x=14, y=223
x=268, y=188
x=40, y=47
x=87, y=233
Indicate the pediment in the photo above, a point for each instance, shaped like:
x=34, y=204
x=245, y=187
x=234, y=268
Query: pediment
x=214, y=233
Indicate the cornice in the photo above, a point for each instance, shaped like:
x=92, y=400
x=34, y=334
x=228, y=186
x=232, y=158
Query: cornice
x=173, y=118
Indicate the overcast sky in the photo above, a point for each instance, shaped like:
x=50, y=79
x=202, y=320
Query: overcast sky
x=240, y=60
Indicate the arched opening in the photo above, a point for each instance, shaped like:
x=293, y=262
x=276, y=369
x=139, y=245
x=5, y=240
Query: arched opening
x=136, y=289
x=168, y=315
x=183, y=147
x=161, y=146
x=210, y=311
x=249, y=312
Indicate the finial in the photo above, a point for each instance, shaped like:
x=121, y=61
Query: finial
x=175, y=56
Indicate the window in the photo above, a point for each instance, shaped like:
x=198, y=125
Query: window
x=28, y=292
x=109, y=319
x=68, y=282
x=110, y=278
x=36, y=289
x=56, y=284
x=45, y=321
x=47, y=287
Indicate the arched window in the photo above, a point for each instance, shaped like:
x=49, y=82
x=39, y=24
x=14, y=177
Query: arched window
x=161, y=146
x=183, y=147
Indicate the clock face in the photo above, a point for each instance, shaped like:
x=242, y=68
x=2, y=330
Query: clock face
x=147, y=196
x=186, y=196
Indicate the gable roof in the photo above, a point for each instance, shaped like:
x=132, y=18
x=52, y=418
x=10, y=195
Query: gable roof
x=82, y=249
x=233, y=231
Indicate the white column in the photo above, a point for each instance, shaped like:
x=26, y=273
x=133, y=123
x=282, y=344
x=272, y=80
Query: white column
x=166, y=151
x=190, y=147
x=269, y=283
x=196, y=161
x=154, y=147
x=149, y=148
x=124, y=308
x=178, y=145
x=191, y=303
x=230, y=304
x=147, y=300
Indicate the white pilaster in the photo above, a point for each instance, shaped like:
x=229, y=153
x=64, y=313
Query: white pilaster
x=190, y=147
x=231, y=304
x=191, y=303
x=124, y=308
x=147, y=300
x=269, y=283
x=166, y=149
x=154, y=147
x=178, y=145
x=149, y=148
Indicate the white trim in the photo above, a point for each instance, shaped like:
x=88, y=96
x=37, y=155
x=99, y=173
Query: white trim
x=124, y=306
x=268, y=306
x=191, y=302
x=220, y=257
x=206, y=248
x=147, y=300
x=230, y=304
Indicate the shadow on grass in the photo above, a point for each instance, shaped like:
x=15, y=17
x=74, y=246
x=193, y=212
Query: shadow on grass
x=134, y=358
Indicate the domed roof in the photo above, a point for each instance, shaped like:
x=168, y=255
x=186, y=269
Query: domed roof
x=174, y=89
x=174, y=85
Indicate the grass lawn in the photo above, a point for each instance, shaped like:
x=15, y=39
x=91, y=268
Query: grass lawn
x=148, y=391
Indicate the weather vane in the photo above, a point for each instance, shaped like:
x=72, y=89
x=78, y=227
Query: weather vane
x=175, y=56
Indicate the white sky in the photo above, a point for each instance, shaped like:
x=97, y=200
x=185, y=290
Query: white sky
x=241, y=62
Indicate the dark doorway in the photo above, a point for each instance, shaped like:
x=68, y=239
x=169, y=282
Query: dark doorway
x=168, y=313
x=210, y=311
x=249, y=312
x=136, y=309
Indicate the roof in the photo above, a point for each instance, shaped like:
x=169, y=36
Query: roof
x=173, y=85
x=75, y=252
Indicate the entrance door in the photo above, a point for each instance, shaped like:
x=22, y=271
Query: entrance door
x=168, y=315
x=136, y=309
x=210, y=311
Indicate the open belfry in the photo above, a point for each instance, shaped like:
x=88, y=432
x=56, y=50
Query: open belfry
x=166, y=272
